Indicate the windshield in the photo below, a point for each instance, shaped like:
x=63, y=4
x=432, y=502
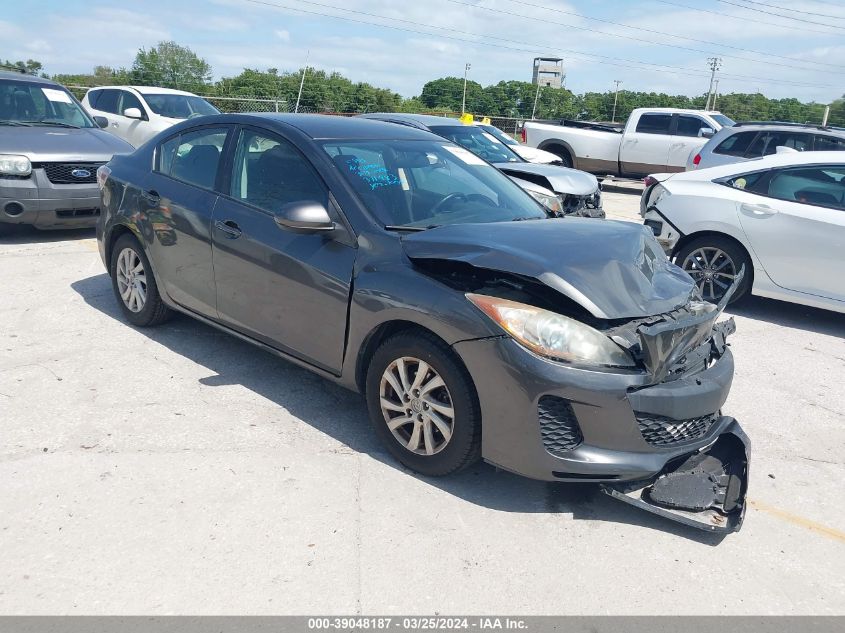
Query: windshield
x=496, y=132
x=420, y=184
x=722, y=120
x=479, y=142
x=30, y=103
x=179, y=106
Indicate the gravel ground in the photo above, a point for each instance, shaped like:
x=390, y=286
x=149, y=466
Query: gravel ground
x=178, y=470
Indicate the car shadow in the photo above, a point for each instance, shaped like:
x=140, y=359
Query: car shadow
x=342, y=415
x=791, y=315
x=25, y=234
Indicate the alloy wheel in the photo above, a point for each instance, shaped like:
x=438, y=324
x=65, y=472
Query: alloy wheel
x=131, y=280
x=416, y=406
x=712, y=269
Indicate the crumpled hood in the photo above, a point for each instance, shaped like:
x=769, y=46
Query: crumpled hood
x=59, y=144
x=615, y=270
x=560, y=179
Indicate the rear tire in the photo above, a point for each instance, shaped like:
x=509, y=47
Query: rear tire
x=134, y=284
x=565, y=158
x=713, y=261
x=423, y=404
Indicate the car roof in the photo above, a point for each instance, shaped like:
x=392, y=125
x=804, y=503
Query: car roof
x=426, y=120
x=783, y=126
x=149, y=90
x=785, y=159
x=327, y=126
x=6, y=74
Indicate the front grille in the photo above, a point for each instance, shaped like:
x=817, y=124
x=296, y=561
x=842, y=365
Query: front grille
x=558, y=425
x=78, y=213
x=659, y=431
x=62, y=173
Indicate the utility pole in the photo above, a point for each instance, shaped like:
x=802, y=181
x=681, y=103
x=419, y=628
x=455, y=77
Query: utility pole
x=302, y=82
x=615, y=98
x=536, y=96
x=467, y=66
x=715, y=93
x=715, y=64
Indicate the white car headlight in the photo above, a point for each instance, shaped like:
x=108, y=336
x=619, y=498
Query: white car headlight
x=552, y=335
x=14, y=165
x=552, y=203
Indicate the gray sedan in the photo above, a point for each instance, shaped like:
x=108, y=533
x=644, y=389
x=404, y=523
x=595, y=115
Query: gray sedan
x=399, y=265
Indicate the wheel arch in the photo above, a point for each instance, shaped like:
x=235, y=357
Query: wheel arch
x=115, y=234
x=556, y=146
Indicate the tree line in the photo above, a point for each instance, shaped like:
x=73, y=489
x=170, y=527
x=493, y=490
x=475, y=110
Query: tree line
x=173, y=66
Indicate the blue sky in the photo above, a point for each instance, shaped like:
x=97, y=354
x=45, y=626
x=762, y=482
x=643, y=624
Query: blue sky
x=802, y=55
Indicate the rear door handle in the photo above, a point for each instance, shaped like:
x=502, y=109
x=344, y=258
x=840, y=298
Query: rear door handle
x=229, y=228
x=757, y=210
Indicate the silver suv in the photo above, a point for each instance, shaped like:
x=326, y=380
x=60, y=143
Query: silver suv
x=754, y=139
x=50, y=150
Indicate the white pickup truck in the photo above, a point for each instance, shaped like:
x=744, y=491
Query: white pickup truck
x=652, y=140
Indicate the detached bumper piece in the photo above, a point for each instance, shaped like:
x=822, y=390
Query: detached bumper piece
x=705, y=489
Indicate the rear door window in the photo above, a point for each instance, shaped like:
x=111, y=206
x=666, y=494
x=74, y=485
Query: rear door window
x=193, y=157
x=829, y=143
x=93, y=95
x=767, y=143
x=736, y=144
x=654, y=123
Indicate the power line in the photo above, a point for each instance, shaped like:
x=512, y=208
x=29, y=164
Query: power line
x=682, y=37
x=533, y=50
x=757, y=21
x=780, y=15
x=629, y=37
x=775, y=6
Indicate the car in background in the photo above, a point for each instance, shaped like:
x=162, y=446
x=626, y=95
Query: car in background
x=138, y=113
x=652, y=140
x=50, y=150
x=781, y=217
x=396, y=263
x=755, y=139
x=576, y=193
x=530, y=154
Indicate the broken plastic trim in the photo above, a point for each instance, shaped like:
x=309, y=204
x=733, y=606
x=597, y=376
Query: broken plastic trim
x=705, y=489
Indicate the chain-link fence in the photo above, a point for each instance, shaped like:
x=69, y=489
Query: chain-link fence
x=512, y=126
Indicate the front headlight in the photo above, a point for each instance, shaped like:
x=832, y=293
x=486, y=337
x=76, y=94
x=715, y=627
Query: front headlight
x=552, y=203
x=14, y=165
x=552, y=335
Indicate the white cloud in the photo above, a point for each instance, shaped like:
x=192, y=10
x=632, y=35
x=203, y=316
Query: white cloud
x=283, y=34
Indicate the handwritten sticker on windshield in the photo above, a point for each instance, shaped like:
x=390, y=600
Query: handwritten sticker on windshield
x=59, y=96
x=464, y=155
x=374, y=174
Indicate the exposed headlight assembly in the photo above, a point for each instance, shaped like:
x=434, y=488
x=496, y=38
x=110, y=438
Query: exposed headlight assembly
x=552, y=203
x=552, y=335
x=14, y=165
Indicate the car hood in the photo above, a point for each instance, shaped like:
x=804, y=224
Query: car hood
x=615, y=270
x=559, y=179
x=53, y=144
x=534, y=155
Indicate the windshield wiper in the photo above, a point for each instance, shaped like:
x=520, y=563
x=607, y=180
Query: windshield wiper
x=405, y=227
x=525, y=219
x=56, y=123
x=8, y=122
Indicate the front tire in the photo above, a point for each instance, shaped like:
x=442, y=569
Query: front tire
x=423, y=404
x=713, y=261
x=134, y=284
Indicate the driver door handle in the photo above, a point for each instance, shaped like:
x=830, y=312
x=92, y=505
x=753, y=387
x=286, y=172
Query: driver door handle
x=229, y=228
x=151, y=198
x=757, y=210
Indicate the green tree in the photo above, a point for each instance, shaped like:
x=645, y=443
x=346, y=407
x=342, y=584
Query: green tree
x=30, y=66
x=171, y=66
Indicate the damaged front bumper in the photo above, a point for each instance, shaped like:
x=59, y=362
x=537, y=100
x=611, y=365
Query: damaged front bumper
x=705, y=489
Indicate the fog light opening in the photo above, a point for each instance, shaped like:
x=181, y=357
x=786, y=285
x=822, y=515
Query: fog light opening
x=13, y=209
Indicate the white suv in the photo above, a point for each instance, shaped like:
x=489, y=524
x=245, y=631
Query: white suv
x=137, y=113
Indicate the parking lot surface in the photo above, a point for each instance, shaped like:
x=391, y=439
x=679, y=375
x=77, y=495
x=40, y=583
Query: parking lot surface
x=179, y=470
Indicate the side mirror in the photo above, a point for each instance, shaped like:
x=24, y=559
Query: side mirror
x=101, y=121
x=133, y=113
x=706, y=132
x=304, y=217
